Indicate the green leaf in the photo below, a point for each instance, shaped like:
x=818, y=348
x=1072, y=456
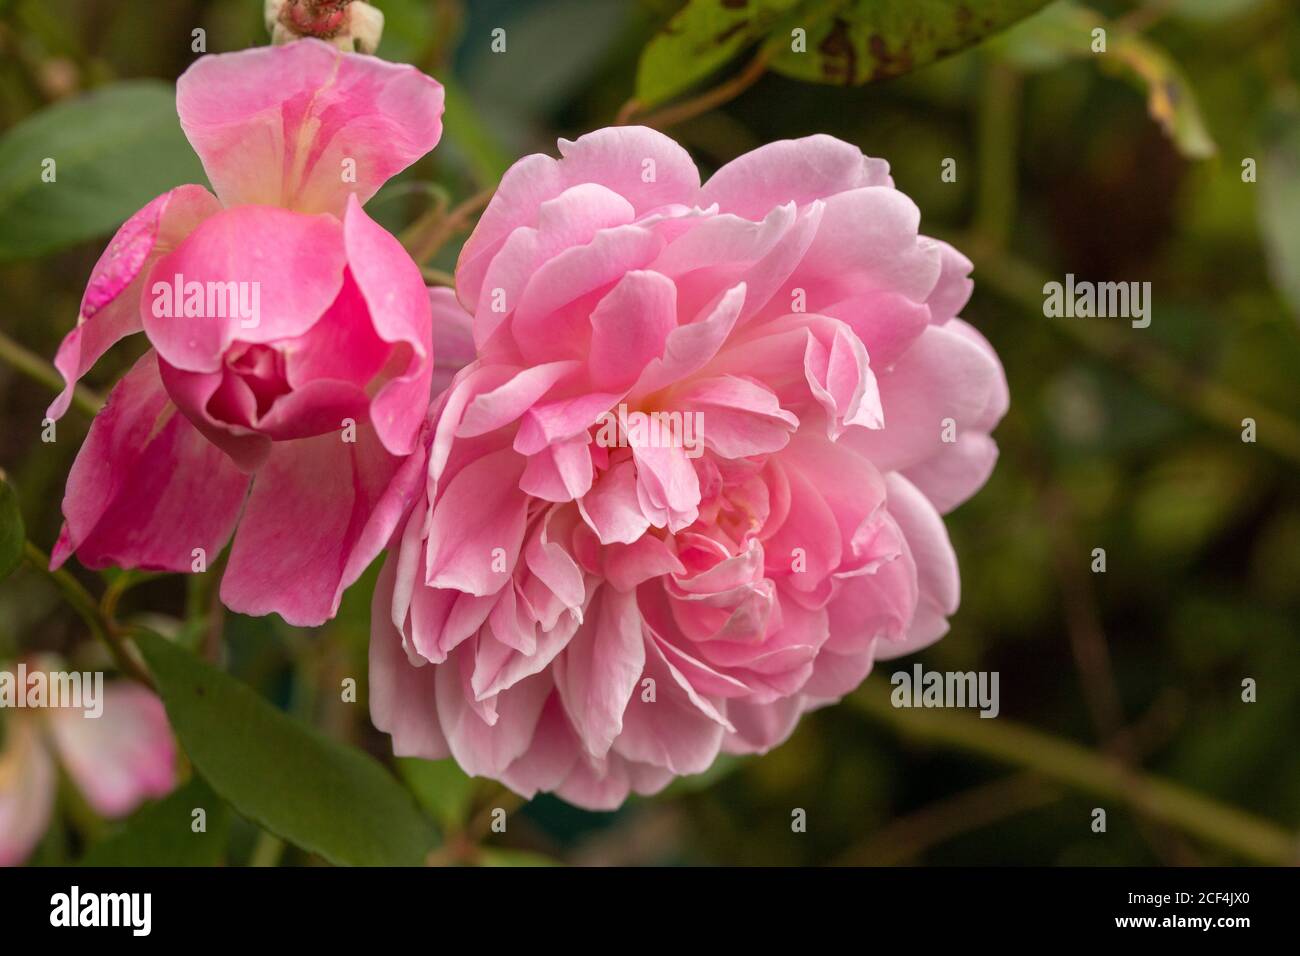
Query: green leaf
x=1170, y=99
x=1049, y=39
x=493, y=856
x=483, y=156
x=12, y=533
x=162, y=833
x=532, y=81
x=323, y=796
x=700, y=39
x=440, y=786
x=113, y=150
x=1064, y=32
x=864, y=40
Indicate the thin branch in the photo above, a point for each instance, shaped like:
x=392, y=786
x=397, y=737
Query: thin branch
x=1145, y=16
x=430, y=233
x=709, y=100
x=434, y=276
x=906, y=838
x=1079, y=768
x=89, y=609
x=39, y=370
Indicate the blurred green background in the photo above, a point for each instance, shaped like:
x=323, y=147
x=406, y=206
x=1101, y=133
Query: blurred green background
x=1124, y=166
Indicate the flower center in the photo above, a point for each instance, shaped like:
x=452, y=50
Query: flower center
x=261, y=368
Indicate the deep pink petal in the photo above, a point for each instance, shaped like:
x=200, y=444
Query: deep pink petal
x=147, y=489
x=293, y=265
x=110, y=308
x=400, y=309
x=201, y=396
x=321, y=510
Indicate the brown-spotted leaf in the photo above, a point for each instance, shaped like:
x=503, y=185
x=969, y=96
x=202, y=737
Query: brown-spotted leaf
x=858, y=41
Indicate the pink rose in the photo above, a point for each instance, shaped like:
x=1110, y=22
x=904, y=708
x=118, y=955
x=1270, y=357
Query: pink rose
x=291, y=338
x=579, y=604
x=119, y=759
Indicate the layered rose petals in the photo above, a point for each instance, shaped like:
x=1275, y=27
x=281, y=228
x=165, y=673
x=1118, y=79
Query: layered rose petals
x=292, y=338
x=583, y=604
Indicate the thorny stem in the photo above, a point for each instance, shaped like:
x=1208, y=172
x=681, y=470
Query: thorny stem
x=1081, y=769
x=688, y=109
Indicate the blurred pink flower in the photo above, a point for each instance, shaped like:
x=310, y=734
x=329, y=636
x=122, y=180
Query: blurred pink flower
x=592, y=610
x=118, y=760
x=289, y=330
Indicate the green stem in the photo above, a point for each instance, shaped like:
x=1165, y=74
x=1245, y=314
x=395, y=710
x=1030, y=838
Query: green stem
x=39, y=370
x=1082, y=769
x=267, y=850
x=709, y=100
x=88, y=608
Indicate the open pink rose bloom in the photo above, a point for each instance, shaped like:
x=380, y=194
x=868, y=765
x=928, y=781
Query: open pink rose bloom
x=691, y=487
x=291, y=362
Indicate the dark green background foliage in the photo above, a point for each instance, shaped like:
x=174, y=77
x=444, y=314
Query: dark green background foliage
x=1123, y=166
